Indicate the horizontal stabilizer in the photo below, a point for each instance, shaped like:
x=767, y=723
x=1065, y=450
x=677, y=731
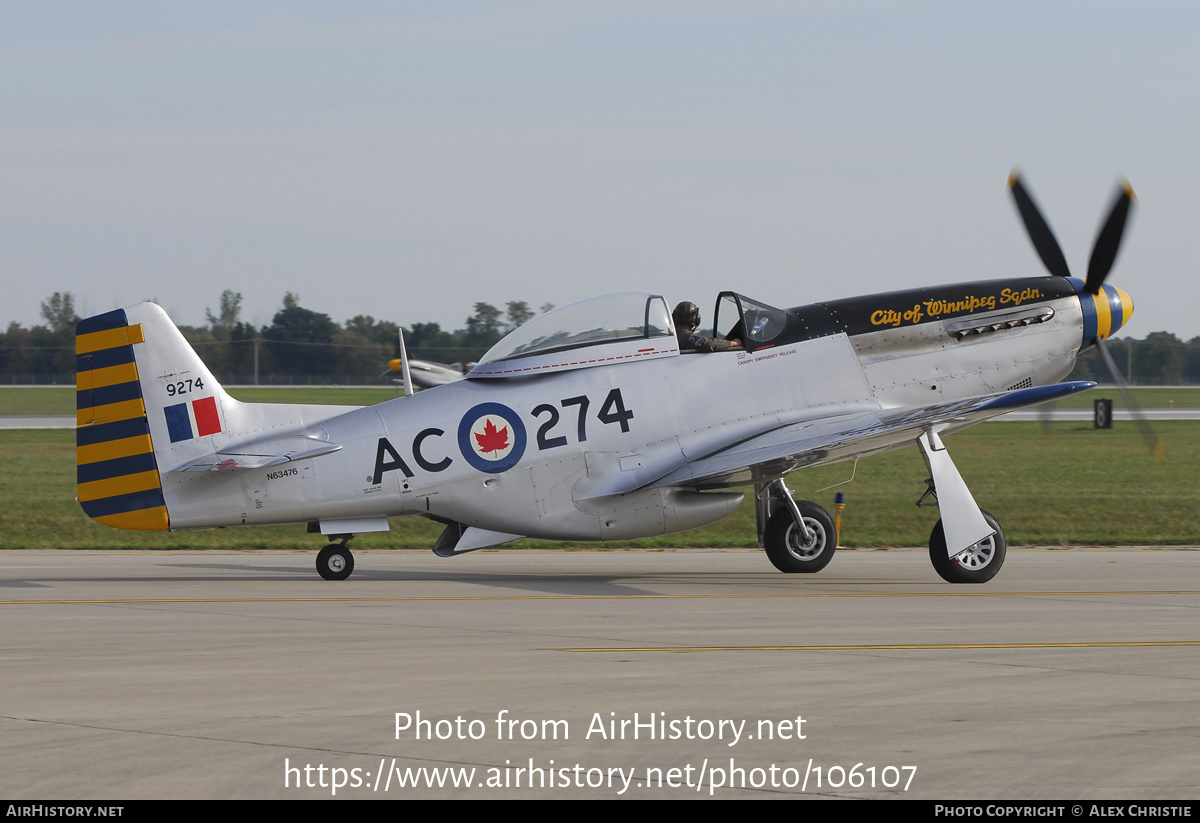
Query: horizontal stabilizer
x=260, y=454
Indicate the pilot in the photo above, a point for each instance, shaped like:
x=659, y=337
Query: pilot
x=687, y=320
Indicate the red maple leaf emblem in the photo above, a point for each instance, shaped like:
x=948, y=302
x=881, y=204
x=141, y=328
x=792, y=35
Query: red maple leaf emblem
x=492, y=439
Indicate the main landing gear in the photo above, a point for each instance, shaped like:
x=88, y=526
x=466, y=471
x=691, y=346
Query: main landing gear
x=799, y=536
x=967, y=545
x=335, y=562
x=977, y=564
x=955, y=557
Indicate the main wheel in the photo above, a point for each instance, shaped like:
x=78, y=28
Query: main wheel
x=335, y=562
x=978, y=564
x=786, y=547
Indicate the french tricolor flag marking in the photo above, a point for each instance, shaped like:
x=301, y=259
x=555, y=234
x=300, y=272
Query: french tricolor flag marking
x=180, y=419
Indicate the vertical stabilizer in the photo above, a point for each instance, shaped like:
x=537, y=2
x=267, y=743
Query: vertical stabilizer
x=148, y=409
x=145, y=402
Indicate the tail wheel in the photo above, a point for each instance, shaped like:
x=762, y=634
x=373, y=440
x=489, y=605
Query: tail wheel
x=786, y=547
x=978, y=564
x=335, y=562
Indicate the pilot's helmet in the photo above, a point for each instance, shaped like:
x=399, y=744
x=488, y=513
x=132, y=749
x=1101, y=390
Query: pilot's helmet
x=686, y=315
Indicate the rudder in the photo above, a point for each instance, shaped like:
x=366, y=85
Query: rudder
x=117, y=477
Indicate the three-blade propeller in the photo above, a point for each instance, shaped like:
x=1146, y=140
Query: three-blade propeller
x=1104, y=254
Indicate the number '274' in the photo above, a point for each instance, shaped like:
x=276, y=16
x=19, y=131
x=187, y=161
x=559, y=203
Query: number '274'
x=611, y=411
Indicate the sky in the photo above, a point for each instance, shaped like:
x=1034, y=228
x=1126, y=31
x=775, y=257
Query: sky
x=407, y=159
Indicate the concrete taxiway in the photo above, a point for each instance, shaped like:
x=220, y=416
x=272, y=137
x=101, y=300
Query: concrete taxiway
x=689, y=673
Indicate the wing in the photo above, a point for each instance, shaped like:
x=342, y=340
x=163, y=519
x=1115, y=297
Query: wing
x=798, y=445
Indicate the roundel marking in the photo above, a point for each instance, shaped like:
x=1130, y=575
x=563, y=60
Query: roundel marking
x=491, y=437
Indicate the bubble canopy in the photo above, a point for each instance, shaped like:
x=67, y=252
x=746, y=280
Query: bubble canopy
x=609, y=318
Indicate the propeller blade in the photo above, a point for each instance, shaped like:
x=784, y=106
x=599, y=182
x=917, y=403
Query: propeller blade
x=1148, y=436
x=1108, y=241
x=1046, y=417
x=1039, y=230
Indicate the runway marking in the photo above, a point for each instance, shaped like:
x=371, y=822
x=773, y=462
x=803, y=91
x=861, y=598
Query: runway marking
x=404, y=598
x=885, y=647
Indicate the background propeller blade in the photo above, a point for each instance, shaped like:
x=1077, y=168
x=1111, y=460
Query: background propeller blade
x=1043, y=238
x=1045, y=417
x=1148, y=436
x=1108, y=241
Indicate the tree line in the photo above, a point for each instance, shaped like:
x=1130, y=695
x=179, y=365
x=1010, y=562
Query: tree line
x=298, y=345
x=303, y=346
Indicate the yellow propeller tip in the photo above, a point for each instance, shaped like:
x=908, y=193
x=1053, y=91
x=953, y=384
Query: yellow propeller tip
x=1128, y=190
x=1012, y=177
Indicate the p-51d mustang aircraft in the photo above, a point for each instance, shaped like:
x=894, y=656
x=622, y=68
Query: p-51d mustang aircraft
x=424, y=374
x=590, y=423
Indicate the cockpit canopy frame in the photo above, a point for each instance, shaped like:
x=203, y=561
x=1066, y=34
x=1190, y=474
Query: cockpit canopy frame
x=756, y=324
x=597, y=331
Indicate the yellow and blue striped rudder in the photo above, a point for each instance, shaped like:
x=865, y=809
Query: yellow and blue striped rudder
x=116, y=472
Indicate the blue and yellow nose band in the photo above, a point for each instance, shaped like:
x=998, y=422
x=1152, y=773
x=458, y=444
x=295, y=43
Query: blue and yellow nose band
x=1103, y=313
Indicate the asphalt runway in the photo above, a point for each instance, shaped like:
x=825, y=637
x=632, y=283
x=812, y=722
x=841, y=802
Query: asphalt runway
x=1072, y=675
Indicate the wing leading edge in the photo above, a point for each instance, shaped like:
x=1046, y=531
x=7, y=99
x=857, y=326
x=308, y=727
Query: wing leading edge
x=799, y=445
